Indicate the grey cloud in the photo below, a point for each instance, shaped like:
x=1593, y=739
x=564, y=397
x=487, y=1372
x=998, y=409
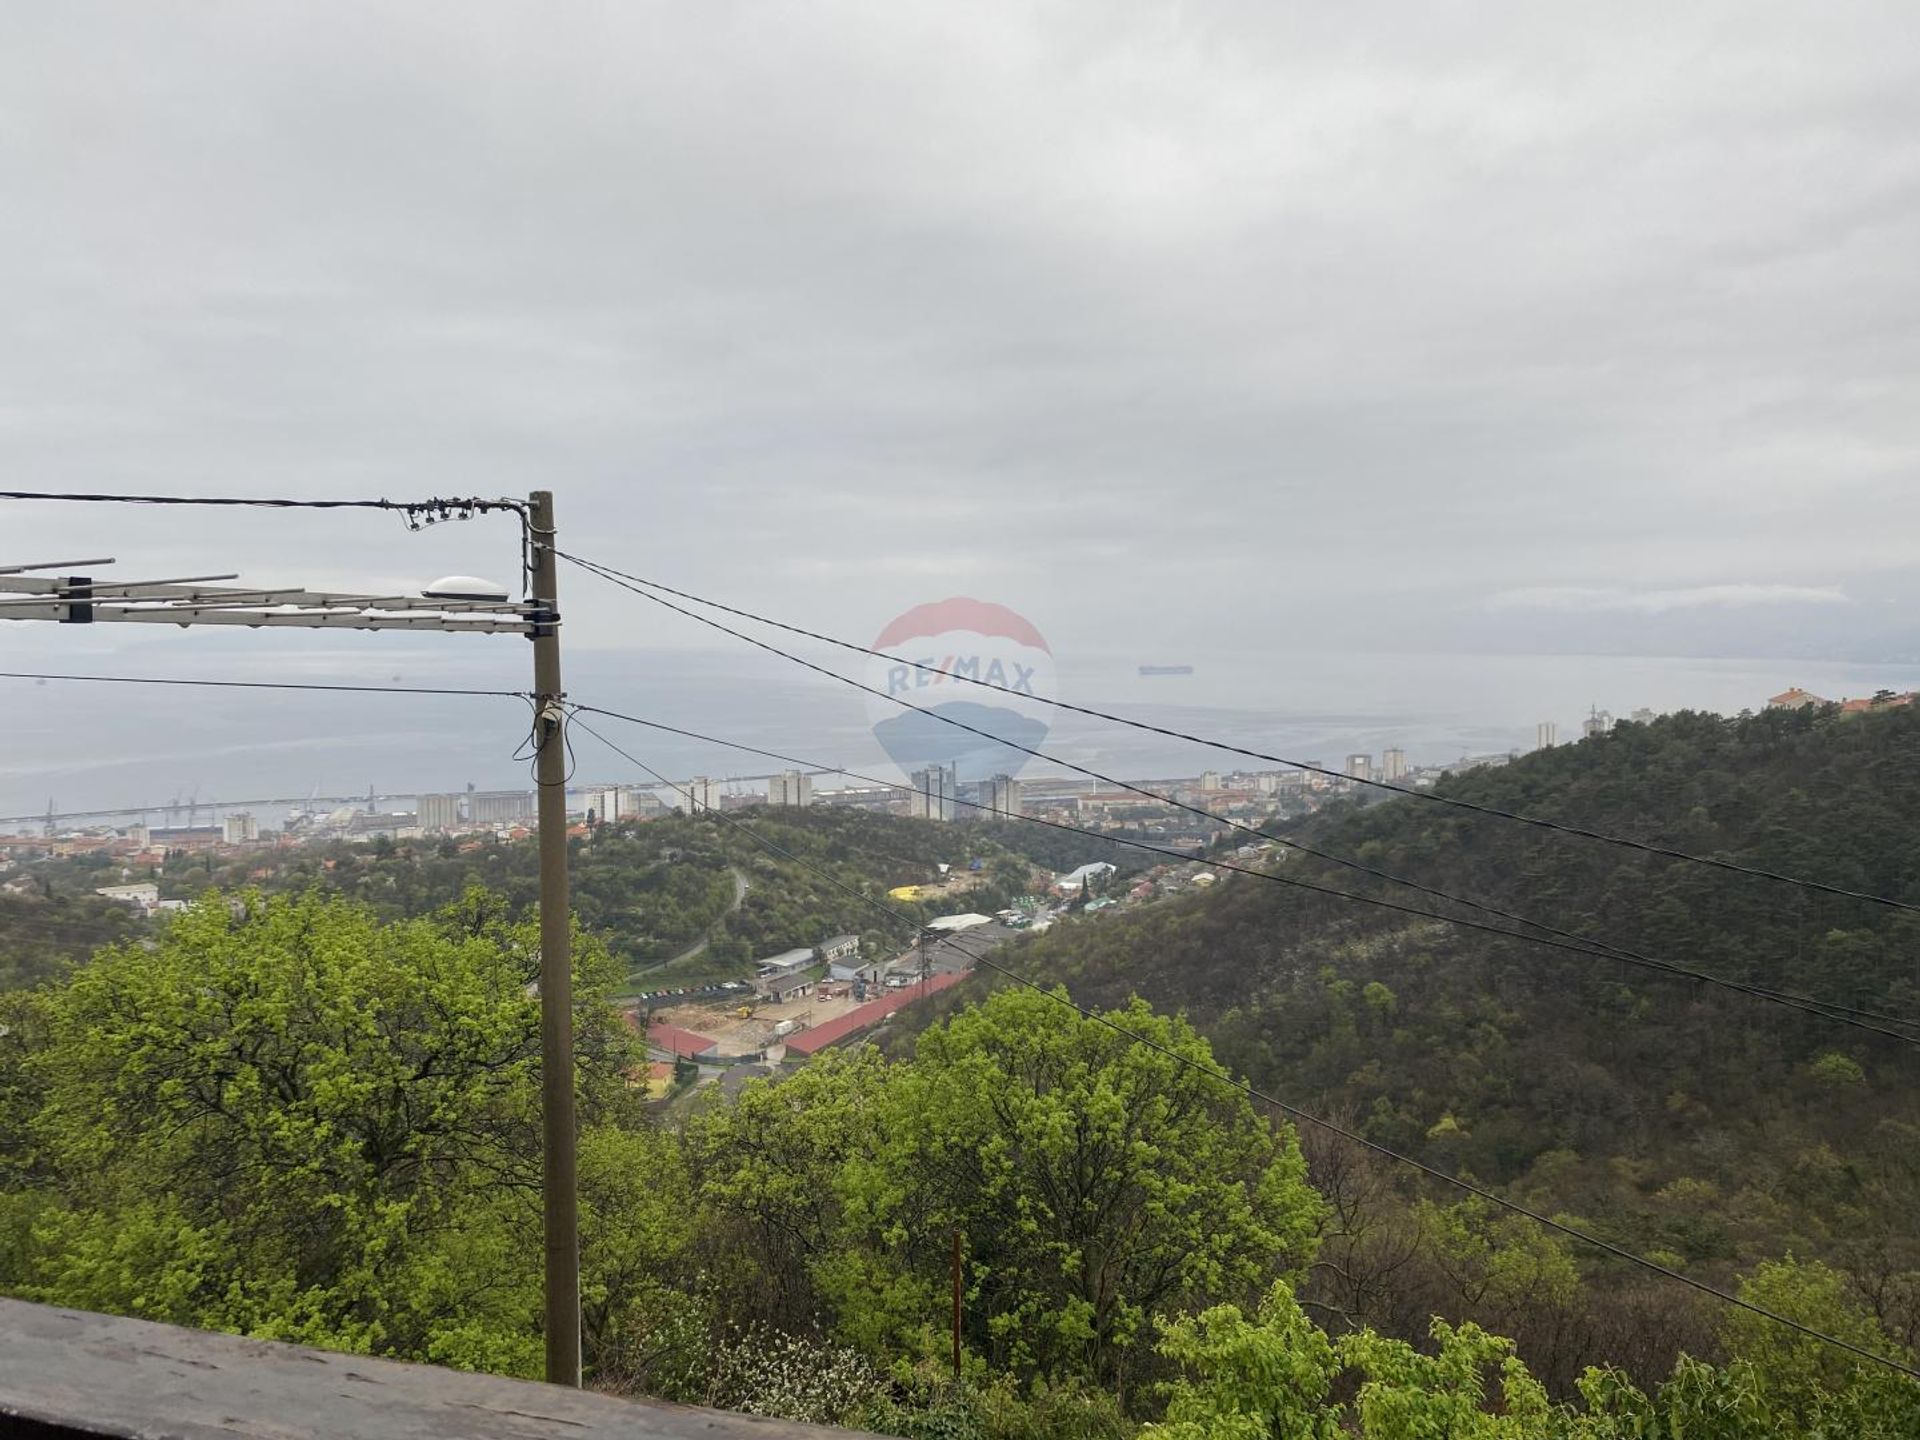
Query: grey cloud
x=1129, y=315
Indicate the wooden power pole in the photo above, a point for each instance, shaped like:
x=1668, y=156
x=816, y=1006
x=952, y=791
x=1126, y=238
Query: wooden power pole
x=560, y=1202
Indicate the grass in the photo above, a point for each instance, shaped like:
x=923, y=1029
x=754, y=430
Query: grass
x=700, y=970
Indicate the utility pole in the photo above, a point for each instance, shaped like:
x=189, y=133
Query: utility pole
x=559, y=1200
x=456, y=604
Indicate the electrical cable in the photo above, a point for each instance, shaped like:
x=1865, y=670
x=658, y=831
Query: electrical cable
x=474, y=505
x=418, y=514
x=572, y=762
x=1101, y=776
x=1581, y=944
x=1060, y=996
x=1574, y=944
x=1585, y=944
x=607, y=572
x=264, y=684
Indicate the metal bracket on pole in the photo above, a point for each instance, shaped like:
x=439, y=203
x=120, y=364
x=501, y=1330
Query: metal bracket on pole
x=78, y=593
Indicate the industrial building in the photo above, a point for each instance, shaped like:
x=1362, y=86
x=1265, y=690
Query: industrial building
x=790, y=787
x=1006, y=798
x=933, y=791
x=786, y=962
x=496, y=807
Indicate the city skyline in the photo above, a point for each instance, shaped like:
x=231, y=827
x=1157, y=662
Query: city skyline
x=927, y=793
x=1414, y=755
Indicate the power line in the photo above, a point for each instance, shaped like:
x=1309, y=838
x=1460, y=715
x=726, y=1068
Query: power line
x=607, y=572
x=1061, y=997
x=1101, y=776
x=418, y=514
x=264, y=684
x=468, y=504
x=239, y=685
x=1580, y=943
x=1822, y=1009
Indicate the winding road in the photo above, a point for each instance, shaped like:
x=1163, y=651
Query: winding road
x=740, y=885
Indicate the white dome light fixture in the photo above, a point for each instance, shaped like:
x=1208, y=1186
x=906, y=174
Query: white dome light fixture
x=464, y=587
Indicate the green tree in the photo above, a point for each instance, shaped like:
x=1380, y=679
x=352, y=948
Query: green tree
x=636, y=1233
x=767, y=1172
x=1276, y=1377
x=1248, y=1379
x=1413, y=1394
x=291, y=1120
x=1801, y=1373
x=1097, y=1182
x=1499, y=1262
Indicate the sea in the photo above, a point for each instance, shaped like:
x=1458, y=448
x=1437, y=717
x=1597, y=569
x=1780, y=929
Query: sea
x=156, y=750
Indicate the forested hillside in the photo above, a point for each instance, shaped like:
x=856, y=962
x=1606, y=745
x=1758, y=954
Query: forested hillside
x=650, y=891
x=288, y=1118
x=1701, y=1126
x=307, y=1110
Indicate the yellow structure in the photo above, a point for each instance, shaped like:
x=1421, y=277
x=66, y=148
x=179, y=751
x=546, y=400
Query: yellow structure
x=904, y=892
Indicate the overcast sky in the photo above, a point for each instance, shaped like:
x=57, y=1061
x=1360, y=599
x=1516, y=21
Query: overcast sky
x=1251, y=330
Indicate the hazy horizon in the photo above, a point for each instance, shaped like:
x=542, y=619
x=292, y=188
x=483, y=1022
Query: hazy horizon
x=161, y=743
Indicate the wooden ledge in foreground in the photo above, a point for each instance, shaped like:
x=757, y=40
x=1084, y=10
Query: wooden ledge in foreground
x=69, y=1373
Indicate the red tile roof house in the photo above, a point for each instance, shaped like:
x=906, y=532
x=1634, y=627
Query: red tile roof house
x=1795, y=699
x=1883, y=701
x=811, y=1042
x=672, y=1040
